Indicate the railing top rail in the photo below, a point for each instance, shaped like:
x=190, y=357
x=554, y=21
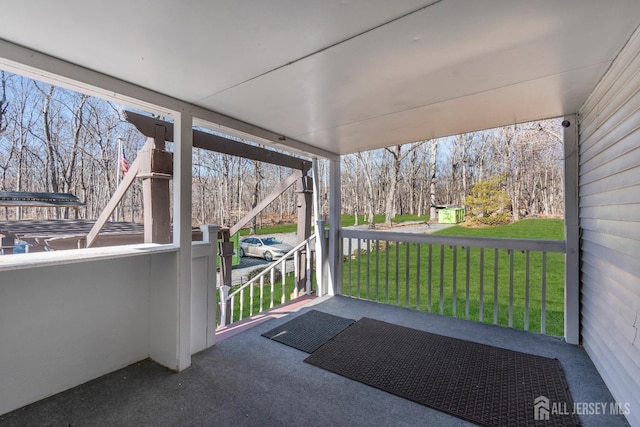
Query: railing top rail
x=272, y=266
x=477, y=242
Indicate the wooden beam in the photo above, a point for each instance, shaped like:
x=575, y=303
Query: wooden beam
x=305, y=194
x=207, y=141
x=126, y=182
x=288, y=182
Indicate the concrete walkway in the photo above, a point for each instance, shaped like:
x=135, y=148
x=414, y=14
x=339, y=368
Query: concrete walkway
x=247, y=380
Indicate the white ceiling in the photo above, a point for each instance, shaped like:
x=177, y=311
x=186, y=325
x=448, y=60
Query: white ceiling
x=343, y=75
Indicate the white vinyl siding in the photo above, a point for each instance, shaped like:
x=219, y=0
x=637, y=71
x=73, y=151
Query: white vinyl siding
x=609, y=190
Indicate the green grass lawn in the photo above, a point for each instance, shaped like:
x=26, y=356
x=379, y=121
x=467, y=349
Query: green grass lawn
x=531, y=228
x=347, y=221
x=350, y=220
x=435, y=289
x=272, y=229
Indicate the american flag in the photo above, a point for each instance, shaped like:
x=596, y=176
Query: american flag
x=123, y=161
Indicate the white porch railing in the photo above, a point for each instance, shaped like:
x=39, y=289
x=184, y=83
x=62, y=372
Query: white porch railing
x=506, y=281
x=258, y=295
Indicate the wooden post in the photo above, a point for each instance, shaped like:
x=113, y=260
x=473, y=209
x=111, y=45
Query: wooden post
x=304, y=188
x=124, y=185
x=157, y=169
x=226, y=260
x=321, y=243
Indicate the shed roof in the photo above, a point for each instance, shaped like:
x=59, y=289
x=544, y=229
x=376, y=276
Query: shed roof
x=30, y=198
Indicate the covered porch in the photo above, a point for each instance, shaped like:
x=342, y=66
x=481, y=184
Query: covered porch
x=250, y=380
x=321, y=81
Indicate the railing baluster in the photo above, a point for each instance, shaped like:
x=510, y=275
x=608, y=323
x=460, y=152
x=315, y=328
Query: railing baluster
x=419, y=267
x=251, y=292
x=543, y=314
x=495, y=286
x=296, y=273
x=233, y=301
x=349, y=259
x=308, y=266
x=441, y=279
x=241, y=304
x=261, y=292
x=406, y=275
x=386, y=292
x=430, y=280
x=466, y=294
x=397, y=269
x=272, y=277
x=526, y=291
x=481, y=285
x=283, y=279
x=358, y=269
x=511, y=255
x=455, y=280
x=368, y=267
x=377, y=269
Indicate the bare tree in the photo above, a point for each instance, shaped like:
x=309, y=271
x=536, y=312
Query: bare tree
x=432, y=184
x=366, y=168
x=3, y=100
x=255, y=196
x=52, y=139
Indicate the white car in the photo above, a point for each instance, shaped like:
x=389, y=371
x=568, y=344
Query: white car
x=268, y=248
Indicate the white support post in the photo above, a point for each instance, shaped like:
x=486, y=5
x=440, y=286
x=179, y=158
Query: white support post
x=572, y=231
x=308, y=267
x=183, y=142
x=321, y=247
x=335, y=243
x=210, y=234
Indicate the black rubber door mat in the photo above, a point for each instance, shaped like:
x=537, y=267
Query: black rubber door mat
x=483, y=384
x=309, y=331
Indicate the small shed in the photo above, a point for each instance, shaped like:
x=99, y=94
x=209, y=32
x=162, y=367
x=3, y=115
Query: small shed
x=451, y=215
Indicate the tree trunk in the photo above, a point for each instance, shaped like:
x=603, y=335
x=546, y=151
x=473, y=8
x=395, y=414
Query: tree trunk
x=255, y=196
x=390, y=204
x=371, y=202
x=432, y=185
x=463, y=195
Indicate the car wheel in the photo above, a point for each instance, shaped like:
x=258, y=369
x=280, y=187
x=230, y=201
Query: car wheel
x=268, y=256
x=242, y=253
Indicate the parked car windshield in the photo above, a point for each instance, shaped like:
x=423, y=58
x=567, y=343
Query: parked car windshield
x=271, y=241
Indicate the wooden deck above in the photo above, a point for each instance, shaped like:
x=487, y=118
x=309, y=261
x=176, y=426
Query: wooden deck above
x=71, y=234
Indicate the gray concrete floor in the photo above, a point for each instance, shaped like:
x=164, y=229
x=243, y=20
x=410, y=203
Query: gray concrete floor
x=247, y=380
